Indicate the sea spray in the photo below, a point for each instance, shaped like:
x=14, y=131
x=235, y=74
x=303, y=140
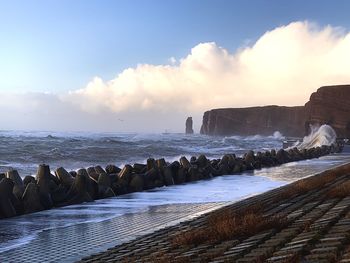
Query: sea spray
x=323, y=135
x=23, y=151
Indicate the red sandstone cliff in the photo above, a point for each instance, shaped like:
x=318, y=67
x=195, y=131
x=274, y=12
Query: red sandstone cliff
x=331, y=105
x=255, y=120
x=328, y=105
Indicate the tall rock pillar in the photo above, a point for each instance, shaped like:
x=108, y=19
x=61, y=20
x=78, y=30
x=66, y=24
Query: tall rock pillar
x=189, y=125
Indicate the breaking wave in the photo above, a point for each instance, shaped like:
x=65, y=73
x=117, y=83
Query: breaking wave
x=323, y=135
x=25, y=150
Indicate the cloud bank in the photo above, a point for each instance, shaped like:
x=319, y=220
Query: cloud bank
x=283, y=67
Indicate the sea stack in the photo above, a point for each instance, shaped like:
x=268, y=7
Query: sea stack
x=189, y=125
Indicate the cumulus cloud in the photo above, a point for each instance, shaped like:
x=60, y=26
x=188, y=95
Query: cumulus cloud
x=284, y=66
x=172, y=60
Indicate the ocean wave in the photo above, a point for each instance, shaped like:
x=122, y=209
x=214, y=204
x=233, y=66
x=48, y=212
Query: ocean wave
x=277, y=135
x=323, y=135
x=25, y=150
x=257, y=137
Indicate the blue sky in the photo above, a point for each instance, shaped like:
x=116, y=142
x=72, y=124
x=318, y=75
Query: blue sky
x=84, y=65
x=61, y=45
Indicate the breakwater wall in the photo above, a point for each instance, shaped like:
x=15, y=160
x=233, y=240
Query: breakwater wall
x=63, y=188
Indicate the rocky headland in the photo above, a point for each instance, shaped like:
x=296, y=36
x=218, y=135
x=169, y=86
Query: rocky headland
x=328, y=105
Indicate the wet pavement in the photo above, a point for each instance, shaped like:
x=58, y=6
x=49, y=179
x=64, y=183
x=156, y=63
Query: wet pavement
x=71, y=243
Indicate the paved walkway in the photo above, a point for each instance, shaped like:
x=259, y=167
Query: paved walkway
x=317, y=230
x=69, y=244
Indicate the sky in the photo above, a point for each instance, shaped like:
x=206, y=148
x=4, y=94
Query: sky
x=145, y=65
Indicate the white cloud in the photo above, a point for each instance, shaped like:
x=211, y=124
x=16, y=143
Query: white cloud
x=172, y=60
x=284, y=66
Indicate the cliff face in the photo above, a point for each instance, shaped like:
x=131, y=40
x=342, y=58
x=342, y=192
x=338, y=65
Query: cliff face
x=255, y=120
x=329, y=105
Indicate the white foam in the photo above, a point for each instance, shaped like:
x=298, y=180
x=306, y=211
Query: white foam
x=16, y=243
x=323, y=135
x=277, y=135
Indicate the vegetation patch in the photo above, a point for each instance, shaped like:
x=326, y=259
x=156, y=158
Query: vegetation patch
x=306, y=185
x=229, y=225
x=340, y=191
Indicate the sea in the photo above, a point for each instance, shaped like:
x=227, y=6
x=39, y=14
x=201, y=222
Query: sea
x=25, y=150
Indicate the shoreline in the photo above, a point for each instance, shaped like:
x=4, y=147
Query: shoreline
x=322, y=234
x=75, y=151
x=78, y=240
x=65, y=188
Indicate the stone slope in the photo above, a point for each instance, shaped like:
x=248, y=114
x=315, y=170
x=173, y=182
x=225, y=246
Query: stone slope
x=317, y=229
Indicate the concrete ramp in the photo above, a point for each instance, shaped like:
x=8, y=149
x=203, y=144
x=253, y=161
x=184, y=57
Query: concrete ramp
x=69, y=244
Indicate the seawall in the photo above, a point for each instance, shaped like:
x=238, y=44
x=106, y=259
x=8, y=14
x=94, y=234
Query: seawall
x=306, y=221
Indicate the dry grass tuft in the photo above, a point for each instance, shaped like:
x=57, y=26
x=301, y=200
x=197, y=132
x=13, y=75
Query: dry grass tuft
x=340, y=191
x=229, y=225
x=306, y=185
x=158, y=257
x=164, y=258
x=294, y=258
